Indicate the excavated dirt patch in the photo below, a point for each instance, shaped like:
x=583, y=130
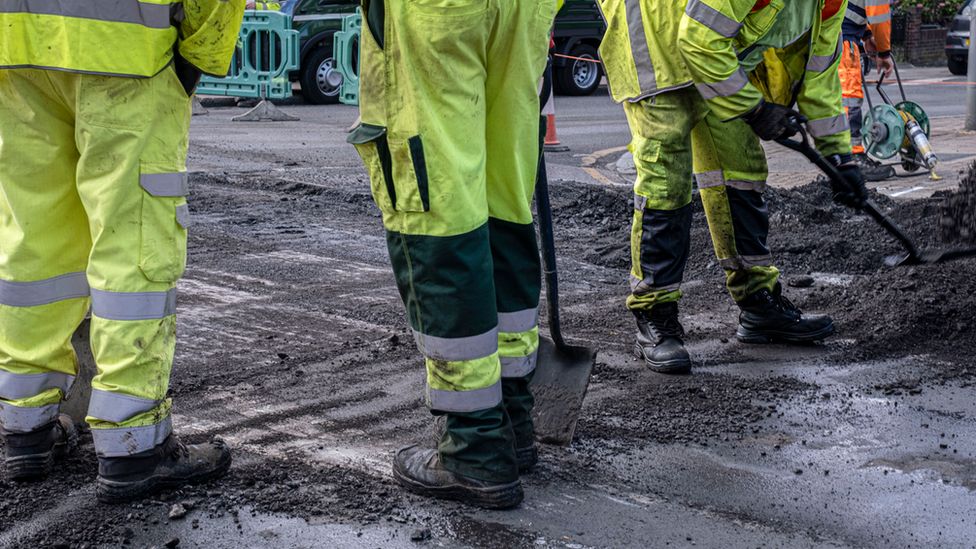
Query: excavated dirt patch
x=958, y=221
x=886, y=311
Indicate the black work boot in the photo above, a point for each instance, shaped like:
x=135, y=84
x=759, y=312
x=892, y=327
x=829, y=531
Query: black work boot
x=170, y=465
x=518, y=401
x=420, y=471
x=30, y=456
x=659, y=340
x=767, y=316
x=871, y=169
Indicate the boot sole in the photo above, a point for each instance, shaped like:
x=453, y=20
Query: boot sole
x=747, y=335
x=672, y=367
x=112, y=492
x=503, y=496
x=37, y=467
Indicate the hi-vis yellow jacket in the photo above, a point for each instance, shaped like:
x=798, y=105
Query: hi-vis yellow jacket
x=134, y=38
x=734, y=52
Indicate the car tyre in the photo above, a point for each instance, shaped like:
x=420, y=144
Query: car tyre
x=315, y=73
x=579, y=77
x=957, y=65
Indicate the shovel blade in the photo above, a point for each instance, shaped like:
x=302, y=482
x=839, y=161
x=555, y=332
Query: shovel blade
x=559, y=385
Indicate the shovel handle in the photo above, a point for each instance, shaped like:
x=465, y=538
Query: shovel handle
x=804, y=147
x=544, y=209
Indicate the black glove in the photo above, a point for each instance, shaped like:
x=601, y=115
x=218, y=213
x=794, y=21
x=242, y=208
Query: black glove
x=771, y=121
x=854, y=193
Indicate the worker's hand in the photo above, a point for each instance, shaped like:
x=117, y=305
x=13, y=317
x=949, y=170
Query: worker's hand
x=771, y=121
x=249, y=5
x=886, y=64
x=854, y=193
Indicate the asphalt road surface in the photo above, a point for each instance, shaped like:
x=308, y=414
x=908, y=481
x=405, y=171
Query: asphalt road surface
x=293, y=347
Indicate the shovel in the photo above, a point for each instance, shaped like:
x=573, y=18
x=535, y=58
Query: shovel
x=913, y=255
x=562, y=373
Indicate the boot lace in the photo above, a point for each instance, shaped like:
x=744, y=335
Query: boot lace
x=664, y=323
x=783, y=304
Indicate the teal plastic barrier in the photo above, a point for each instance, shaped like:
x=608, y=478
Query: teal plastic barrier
x=345, y=47
x=267, y=50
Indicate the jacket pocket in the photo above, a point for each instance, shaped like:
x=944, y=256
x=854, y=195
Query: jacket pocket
x=757, y=24
x=165, y=217
x=397, y=169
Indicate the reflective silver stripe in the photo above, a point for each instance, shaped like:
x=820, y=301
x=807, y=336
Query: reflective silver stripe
x=639, y=49
x=714, y=178
x=827, y=126
x=743, y=185
x=165, y=184
x=852, y=101
x=17, y=386
x=18, y=419
x=465, y=401
x=457, y=348
x=117, y=407
x=857, y=141
x=855, y=17
x=712, y=18
x=183, y=216
x=125, y=441
x=875, y=19
x=43, y=292
x=640, y=202
x=519, y=321
x=518, y=366
x=154, y=16
x=133, y=305
x=820, y=63
x=725, y=88
x=638, y=286
x=742, y=262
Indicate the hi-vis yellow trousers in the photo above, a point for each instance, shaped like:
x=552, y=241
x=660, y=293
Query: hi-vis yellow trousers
x=93, y=214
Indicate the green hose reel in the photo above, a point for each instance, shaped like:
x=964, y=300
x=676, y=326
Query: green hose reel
x=890, y=129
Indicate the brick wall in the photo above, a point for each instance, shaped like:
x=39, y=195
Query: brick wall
x=924, y=44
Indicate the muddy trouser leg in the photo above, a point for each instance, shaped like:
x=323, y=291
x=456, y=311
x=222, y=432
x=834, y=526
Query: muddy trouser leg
x=730, y=168
x=852, y=91
x=133, y=136
x=44, y=245
x=661, y=230
x=451, y=154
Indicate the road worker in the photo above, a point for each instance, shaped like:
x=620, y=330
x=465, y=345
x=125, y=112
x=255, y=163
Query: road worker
x=701, y=81
x=867, y=22
x=94, y=122
x=450, y=138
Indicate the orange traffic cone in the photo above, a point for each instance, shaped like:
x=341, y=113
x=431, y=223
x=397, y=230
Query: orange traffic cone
x=552, y=143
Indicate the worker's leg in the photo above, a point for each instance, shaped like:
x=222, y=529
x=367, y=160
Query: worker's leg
x=730, y=168
x=422, y=138
x=661, y=144
x=132, y=134
x=660, y=236
x=852, y=91
x=516, y=58
x=44, y=245
x=851, y=79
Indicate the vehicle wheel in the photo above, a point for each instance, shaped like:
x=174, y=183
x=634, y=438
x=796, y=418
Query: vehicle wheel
x=579, y=77
x=957, y=65
x=320, y=80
